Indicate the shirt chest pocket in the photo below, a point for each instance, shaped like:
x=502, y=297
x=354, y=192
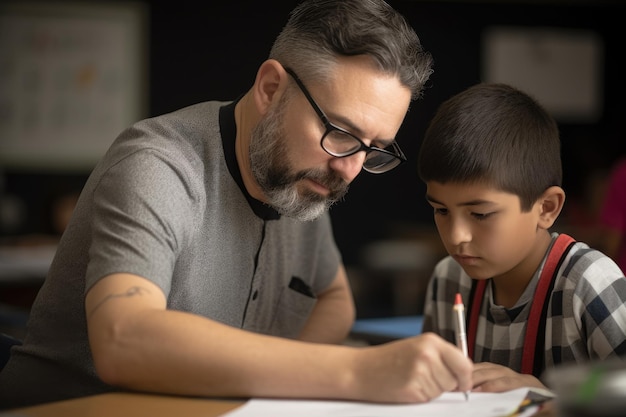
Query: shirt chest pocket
x=293, y=309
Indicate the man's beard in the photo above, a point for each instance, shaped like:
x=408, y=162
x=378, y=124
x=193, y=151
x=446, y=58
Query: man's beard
x=272, y=171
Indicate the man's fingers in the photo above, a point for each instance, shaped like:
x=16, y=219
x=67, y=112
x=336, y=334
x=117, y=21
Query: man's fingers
x=459, y=367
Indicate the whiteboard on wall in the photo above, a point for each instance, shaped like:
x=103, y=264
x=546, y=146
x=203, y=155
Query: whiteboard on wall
x=561, y=68
x=72, y=77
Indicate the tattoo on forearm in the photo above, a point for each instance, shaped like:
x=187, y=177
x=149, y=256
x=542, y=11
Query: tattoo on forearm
x=131, y=292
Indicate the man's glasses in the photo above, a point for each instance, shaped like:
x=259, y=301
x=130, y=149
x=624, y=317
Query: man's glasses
x=340, y=143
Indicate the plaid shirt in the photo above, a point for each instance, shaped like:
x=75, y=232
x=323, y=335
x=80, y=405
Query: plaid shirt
x=586, y=316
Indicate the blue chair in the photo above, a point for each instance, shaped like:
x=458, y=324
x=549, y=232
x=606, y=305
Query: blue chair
x=6, y=343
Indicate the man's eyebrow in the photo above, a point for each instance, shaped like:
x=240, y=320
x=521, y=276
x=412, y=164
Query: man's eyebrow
x=347, y=124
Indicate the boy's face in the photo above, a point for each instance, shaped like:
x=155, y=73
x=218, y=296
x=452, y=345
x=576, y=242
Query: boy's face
x=485, y=230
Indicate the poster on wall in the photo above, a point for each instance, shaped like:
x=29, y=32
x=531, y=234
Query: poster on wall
x=72, y=77
x=562, y=68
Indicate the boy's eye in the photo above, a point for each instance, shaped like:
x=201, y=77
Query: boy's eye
x=481, y=216
x=441, y=211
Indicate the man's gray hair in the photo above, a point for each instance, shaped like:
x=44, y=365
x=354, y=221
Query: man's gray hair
x=320, y=31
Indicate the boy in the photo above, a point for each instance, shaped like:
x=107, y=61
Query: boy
x=491, y=163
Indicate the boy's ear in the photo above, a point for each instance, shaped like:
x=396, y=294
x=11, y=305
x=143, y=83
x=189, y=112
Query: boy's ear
x=550, y=206
x=270, y=82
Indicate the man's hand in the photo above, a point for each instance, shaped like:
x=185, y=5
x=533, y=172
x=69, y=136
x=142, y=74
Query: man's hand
x=416, y=369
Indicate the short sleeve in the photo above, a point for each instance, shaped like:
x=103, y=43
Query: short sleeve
x=142, y=206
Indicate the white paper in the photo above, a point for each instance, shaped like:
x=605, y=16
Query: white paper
x=448, y=404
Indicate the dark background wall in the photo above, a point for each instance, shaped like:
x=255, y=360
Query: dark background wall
x=211, y=50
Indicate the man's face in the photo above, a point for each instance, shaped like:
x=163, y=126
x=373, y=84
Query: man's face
x=298, y=178
x=278, y=179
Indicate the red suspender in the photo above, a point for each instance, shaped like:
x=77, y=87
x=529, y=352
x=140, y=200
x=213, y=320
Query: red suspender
x=477, y=300
x=538, y=307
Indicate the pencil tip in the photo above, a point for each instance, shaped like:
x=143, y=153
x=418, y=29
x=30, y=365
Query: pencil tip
x=458, y=299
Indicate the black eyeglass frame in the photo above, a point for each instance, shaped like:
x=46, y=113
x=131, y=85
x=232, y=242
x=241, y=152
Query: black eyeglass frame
x=397, y=152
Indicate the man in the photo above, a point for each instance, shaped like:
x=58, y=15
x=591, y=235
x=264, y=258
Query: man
x=200, y=258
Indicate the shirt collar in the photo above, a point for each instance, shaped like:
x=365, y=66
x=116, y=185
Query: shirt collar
x=228, y=129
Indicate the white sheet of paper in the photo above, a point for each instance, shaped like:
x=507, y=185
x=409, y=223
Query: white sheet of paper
x=448, y=404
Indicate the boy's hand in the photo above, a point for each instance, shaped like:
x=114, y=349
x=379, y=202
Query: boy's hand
x=490, y=377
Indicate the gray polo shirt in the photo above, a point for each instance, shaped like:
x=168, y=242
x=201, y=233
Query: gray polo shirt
x=167, y=203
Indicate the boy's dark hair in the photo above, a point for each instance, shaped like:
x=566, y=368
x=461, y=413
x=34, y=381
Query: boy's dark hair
x=497, y=135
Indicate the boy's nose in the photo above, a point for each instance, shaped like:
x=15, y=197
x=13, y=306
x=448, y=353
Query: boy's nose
x=459, y=233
